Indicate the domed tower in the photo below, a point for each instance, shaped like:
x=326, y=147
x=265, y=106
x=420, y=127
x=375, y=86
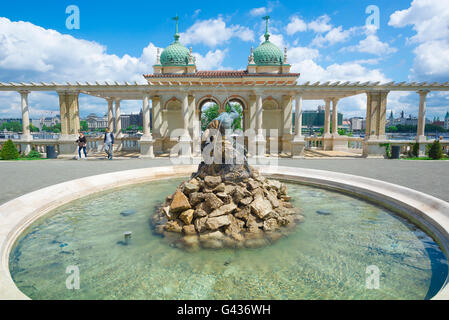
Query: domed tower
x=175, y=58
x=268, y=58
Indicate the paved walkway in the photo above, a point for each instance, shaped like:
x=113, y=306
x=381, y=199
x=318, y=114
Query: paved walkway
x=20, y=177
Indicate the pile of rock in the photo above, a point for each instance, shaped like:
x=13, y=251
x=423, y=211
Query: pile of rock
x=213, y=212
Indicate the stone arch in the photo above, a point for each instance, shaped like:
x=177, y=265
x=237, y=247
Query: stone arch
x=205, y=99
x=173, y=104
x=238, y=99
x=270, y=103
x=272, y=118
x=171, y=117
x=244, y=104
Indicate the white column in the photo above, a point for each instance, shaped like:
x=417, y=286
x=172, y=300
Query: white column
x=118, y=122
x=185, y=141
x=298, y=118
x=146, y=141
x=111, y=115
x=185, y=114
x=422, y=116
x=146, y=116
x=326, y=131
x=26, y=134
x=334, y=117
x=259, y=118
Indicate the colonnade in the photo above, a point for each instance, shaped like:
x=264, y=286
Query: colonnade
x=291, y=141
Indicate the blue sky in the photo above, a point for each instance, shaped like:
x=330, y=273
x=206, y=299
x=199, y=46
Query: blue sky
x=326, y=41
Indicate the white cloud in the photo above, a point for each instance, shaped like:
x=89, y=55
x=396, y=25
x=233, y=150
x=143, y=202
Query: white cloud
x=298, y=54
x=214, y=32
x=335, y=35
x=295, y=25
x=211, y=61
x=430, y=21
x=259, y=11
x=321, y=24
x=32, y=53
x=371, y=44
x=277, y=39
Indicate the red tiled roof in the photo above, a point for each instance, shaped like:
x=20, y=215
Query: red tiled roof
x=220, y=74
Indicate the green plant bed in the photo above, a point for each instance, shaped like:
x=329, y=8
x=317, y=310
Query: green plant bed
x=424, y=158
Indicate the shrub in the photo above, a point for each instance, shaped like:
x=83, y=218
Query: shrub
x=415, y=149
x=436, y=151
x=34, y=155
x=9, y=151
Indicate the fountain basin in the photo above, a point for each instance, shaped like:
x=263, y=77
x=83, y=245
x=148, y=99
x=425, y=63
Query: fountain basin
x=426, y=211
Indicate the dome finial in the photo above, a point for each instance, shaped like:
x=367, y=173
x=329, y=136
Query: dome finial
x=176, y=34
x=267, y=35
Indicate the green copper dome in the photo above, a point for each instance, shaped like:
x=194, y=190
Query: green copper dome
x=175, y=55
x=268, y=54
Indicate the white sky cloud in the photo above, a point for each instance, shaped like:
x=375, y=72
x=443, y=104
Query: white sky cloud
x=214, y=32
x=295, y=25
x=430, y=21
x=211, y=61
x=259, y=11
x=321, y=24
x=335, y=35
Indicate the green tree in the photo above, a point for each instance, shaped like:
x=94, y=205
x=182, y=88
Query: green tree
x=83, y=125
x=33, y=128
x=55, y=129
x=12, y=126
x=208, y=115
x=237, y=124
x=9, y=151
x=436, y=151
x=392, y=129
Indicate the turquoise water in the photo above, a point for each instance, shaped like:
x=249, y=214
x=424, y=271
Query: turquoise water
x=325, y=258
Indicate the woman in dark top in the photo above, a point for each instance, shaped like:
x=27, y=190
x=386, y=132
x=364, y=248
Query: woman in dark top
x=82, y=143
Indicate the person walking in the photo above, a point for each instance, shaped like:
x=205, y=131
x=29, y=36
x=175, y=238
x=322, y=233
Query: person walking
x=108, y=143
x=82, y=143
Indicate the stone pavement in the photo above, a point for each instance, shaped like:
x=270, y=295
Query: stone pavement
x=20, y=177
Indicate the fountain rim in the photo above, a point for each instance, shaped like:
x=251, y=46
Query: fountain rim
x=427, y=212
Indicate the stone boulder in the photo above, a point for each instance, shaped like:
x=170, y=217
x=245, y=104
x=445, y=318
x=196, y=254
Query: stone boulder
x=190, y=188
x=212, y=201
x=225, y=209
x=187, y=216
x=261, y=207
x=180, y=202
x=217, y=222
x=212, y=181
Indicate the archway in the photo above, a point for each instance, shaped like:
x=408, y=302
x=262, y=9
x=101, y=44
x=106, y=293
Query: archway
x=207, y=109
x=241, y=106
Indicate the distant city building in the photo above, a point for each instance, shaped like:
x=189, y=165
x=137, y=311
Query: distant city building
x=315, y=118
x=356, y=123
x=95, y=122
x=346, y=125
x=49, y=121
x=403, y=120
